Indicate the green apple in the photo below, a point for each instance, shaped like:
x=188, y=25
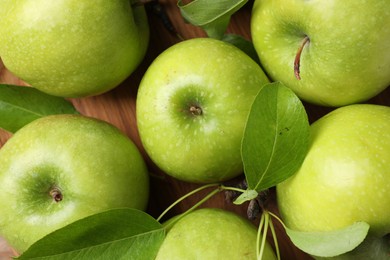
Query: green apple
x=346, y=58
x=192, y=106
x=211, y=233
x=61, y=168
x=345, y=176
x=4, y=8
x=73, y=48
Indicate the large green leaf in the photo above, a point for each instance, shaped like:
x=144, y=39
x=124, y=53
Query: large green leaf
x=21, y=105
x=212, y=16
x=330, y=243
x=115, y=234
x=276, y=137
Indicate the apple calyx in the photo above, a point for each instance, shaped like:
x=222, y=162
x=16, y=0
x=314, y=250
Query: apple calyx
x=56, y=194
x=297, y=61
x=195, y=110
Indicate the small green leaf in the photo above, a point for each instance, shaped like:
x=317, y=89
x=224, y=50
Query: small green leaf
x=211, y=16
x=114, y=234
x=330, y=243
x=243, y=44
x=276, y=137
x=21, y=105
x=246, y=196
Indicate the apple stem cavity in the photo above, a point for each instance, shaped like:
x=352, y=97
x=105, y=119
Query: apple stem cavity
x=297, y=61
x=56, y=194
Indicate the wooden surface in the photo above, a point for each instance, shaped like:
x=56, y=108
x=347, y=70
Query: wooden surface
x=118, y=108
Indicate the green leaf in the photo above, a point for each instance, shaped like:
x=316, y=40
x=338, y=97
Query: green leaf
x=243, y=44
x=330, y=243
x=212, y=16
x=276, y=137
x=21, y=105
x=114, y=234
x=246, y=196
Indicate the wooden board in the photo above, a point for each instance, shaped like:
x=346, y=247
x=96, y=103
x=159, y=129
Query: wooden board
x=118, y=108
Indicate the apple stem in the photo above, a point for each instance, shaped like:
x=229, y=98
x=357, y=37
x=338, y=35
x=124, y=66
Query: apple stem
x=297, y=61
x=203, y=200
x=56, y=194
x=196, y=110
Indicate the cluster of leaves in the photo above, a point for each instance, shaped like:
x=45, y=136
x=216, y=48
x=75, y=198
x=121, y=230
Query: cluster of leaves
x=274, y=146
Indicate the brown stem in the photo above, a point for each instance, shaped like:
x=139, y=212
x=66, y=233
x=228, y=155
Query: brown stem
x=297, y=61
x=195, y=110
x=56, y=194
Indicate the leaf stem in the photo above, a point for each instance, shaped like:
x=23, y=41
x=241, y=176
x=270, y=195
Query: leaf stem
x=264, y=238
x=232, y=188
x=211, y=194
x=271, y=226
x=260, y=228
x=276, y=217
x=186, y=196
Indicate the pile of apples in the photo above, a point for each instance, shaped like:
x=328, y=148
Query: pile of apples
x=192, y=107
